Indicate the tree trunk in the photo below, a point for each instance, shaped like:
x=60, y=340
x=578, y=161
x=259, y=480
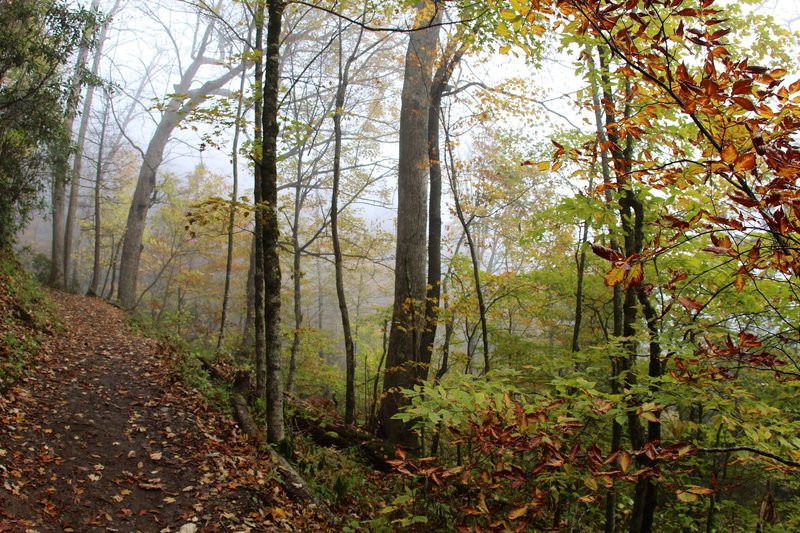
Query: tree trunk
x=409, y=293
x=231, y=215
x=297, y=282
x=349, y=347
x=178, y=107
x=269, y=188
x=58, y=277
x=450, y=60
x=631, y=213
x=258, y=239
x=98, y=187
x=474, y=258
x=77, y=161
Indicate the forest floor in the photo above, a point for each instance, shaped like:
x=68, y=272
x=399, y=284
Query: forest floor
x=102, y=436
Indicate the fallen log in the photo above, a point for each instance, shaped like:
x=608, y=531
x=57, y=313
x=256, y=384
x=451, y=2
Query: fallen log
x=325, y=432
x=293, y=482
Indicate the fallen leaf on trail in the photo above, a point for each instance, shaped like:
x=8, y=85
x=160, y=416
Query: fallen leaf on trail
x=188, y=528
x=155, y=456
x=94, y=477
x=151, y=484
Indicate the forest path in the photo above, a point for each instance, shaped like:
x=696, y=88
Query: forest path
x=101, y=436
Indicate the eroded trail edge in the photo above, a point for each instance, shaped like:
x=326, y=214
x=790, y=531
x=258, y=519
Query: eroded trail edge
x=102, y=437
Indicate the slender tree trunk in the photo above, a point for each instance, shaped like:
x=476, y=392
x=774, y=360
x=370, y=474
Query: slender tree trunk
x=631, y=212
x=58, y=277
x=349, y=347
x=258, y=240
x=473, y=253
x=373, y=422
x=297, y=282
x=616, y=364
x=409, y=293
x=77, y=161
x=580, y=264
x=98, y=187
x=248, y=335
x=231, y=215
x=272, y=267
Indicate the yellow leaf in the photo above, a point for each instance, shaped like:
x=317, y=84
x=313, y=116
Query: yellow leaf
x=543, y=166
x=702, y=491
x=614, y=277
x=745, y=162
x=277, y=513
x=502, y=30
x=508, y=14
x=635, y=275
x=686, y=497
x=518, y=512
x=504, y=50
x=590, y=482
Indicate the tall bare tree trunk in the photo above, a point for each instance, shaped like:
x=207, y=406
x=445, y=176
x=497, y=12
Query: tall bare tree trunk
x=412, y=206
x=178, y=107
x=269, y=188
x=616, y=364
x=258, y=239
x=450, y=59
x=77, y=161
x=57, y=275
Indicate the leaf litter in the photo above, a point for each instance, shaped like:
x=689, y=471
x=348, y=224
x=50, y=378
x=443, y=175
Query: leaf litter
x=102, y=436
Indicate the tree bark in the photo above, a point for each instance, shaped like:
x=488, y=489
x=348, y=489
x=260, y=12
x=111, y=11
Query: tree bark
x=98, y=187
x=409, y=293
x=57, y=257
x=631, y=213
x=349, y=347
x=269, y=188
x=451, y=57
x=258, y=239
x=231, y=215
x=77, y=161
x=178, y=107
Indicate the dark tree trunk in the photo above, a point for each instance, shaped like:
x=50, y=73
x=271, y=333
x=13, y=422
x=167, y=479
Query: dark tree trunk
x=269, y=189
x=450, y=60
x=409, y=294
x=58, y=277
x=349, y=347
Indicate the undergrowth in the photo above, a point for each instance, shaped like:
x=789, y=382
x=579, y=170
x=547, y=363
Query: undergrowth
x=27, y=316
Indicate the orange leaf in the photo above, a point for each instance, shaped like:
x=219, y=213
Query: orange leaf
x=745, y=162
x=729, y=154
x=635, y=275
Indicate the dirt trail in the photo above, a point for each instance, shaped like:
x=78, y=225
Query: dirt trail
x=101, y=437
